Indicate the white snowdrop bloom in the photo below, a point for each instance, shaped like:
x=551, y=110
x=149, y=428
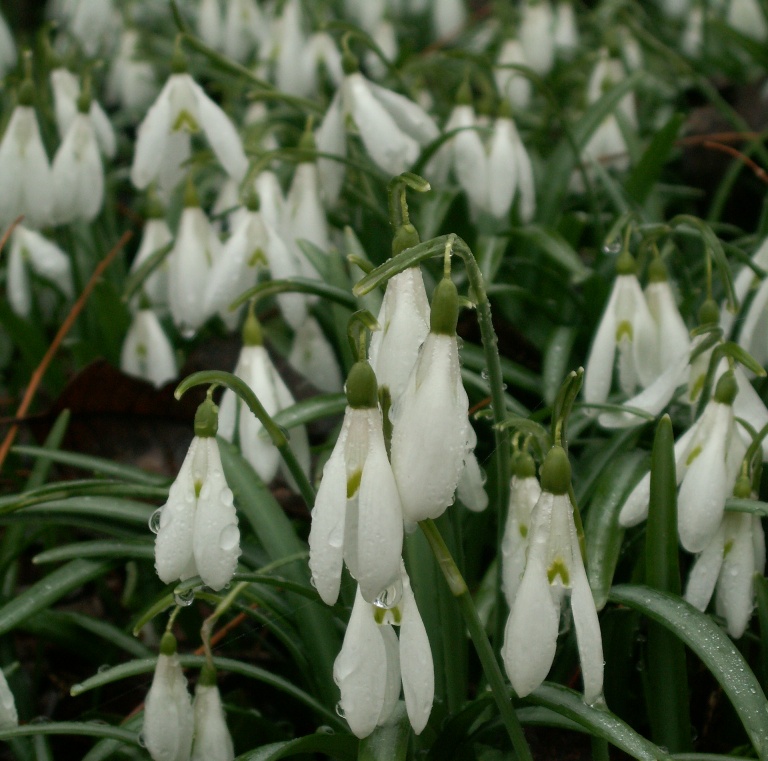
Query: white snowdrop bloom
x=95, y=24
x=676, y=8
x=197, y=533
x=163, y=140
x=393, y=130
x=26, y=187
x=130, y=80
x=7, y=47
x=244, y=27
x=255, y=367
x=321, y=50
x=404, y=321
x=748, y=18
x=432, y=438
x=626, y=329
x=509, y=172
x=707, y=460
x=729, y=564
x=357, y=516
x=292, y=66
x=312, y=355
x=448, y=17
x=466, y=150
x=147, y=352
x=554, y=569
x=209, y=23
x=513, y=87
x=30, y=250
x=537, y=35
x=607, y=73
x=566, y=31
x=213, y=741
x=9, y=717
x=195, y=251
x=168, y=715
x=367, y=15
x=155, y=235
x=524, y=493
x=372, y=662
x=66, y=92
x=385, y=37
x=693, y=32
x=672, y=336
x=78, y=174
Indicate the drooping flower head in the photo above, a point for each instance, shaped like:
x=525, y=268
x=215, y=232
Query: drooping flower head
x=212, y=739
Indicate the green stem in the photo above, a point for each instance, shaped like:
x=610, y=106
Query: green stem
x=275, y=432
x=479, y=639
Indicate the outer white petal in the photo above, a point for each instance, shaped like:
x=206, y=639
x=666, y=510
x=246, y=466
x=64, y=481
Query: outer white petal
x=633, y=308
x=9, y=718
x=305, y=216
x=105, y=132
x=471, y=487
x=416, y=665
x=212, y=739
x=752, y=333
x=168, y=714
x=360, y=670
x=448, y=16
x=392, y=692
x=326, y=537
x=147, y=353
x=390, y=148
x=673, y=340
x=331, y=137
x=525, y=180
x=151, y=139
x=173, y=544
x=18, y=289
x=735, y=589
x=221, y=134
x=536, y=34
x=502, y=164
x=749, y=406
x=283, y=264
x=524, y=493
x=599, y=368
x=216, y=539
x=470, y=161
x=635, y=507
x=380, y=520
x=66, y=90
x=409, y=116
x=512, y=85
x=156, y=235
x=703, y=575
x=209, y=23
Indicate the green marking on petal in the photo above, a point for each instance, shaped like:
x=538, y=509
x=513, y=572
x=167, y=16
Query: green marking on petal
x=697, y=387
x=198, y=487
x=353, y=483
x=185, y=122
x=257, y=258
x=558, y=568
x=523, y=530
x=727, y=547
x=141, y=350
x=624, y=329
x=695, y=452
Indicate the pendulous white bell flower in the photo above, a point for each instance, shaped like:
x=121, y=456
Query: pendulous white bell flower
x=130, y=80
x=313, y=356
x=554, y=569
x=255, y=367
x=9, y=717
x=197, y=533
x=147, y=352
x=524, y=493
x=432, y=439
x=29, y=250
x=707, y=459
x=168, y=715
x=448, y=17
x=627, y=331
x=672, y=336
x=372, y=662
x=513, y=86
x=566, y=30
x=537, y=35
x=154, y=236
x=209, y=23
x=728, y=564
x=163, y=139
x=357, y=517
x=243, y=29
x=213, y=741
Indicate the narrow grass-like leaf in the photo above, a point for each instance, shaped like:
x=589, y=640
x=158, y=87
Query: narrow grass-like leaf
x=100, y=628
x=48, y=451
x=597, y=721
x=341, y=747
x=761, y=592
x=108, y=548
x=106, y=748
x=667, y=682
x=554, y=246
x=59, y=491
x=85, y=728
x=557, y=357
x=309, y=410
x=48, y=590
x=297, y=285
x=514, y=375
x=109, y=508
x=713, y=646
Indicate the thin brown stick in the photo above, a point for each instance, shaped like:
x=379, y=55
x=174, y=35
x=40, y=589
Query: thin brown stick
x=66, y=326
x=720, y=137
x=7, y=234
x=758, y=171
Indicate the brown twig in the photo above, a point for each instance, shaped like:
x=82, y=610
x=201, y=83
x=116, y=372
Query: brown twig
x=7, y=234
x=758, y=171
x=66, y=326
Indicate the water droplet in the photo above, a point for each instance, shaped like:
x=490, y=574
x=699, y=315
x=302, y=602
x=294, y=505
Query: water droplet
x=185, y=598
x=142, y=740
x=389, y=597
x=484, y=374
x=229, y=537
x=324, y=729
x=612, y=247
x=188, y=333
x=340, y=710
x=313, y=582
x=154, y=520
x=104, y=667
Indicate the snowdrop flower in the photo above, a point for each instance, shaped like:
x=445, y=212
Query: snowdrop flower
x=404, y=321
x=566, y=31
x=385, y=37
x=393, y=129
x=7, y=47
x=255, y=367
x=748, y=18
x=693, y=32
x=432, y=439
x=163, y=140
x=554, y=569
x=626, y=329
x=537, y=35
x=197, y=533
x=509, y=172
x=195, y=251
x=155, y=235
x=312, y=355
x=357, y=515
x=30, y=250
x=524, y=493
x=26, y=187
x=372, y=662
x=707, y=458
x=672, y=336
x=130, y=80
x=78, y=174
x=448, y=17
x=209, y=23
x=168, y=715
x=9, y=718
x=244, y=27
x=147, y=353
x=212, y=739
x=66, y=94
x=513, y=87
x=729, y=563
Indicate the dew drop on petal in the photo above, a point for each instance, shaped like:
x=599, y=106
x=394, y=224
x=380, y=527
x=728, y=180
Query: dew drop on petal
x=142, y=740
x=185, y=599
x=613, y=247
x=229, y=537
x=389, y=597
x=154, y=520
x=340, y=711
x=104, y=667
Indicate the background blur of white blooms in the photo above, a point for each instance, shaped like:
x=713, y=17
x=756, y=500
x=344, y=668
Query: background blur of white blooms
x=383, y=379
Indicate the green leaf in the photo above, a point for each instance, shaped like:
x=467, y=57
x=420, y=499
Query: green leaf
x=340, y=747
x=597, y=721
x=559, y=251
x=307, y=411
x=85, y=728
x=713, y=646
x=761, y=593
x=557, y=356
x=297, y=285
x=388, y=742
x=516, y=376
x=48, y=590
x=106, y=548
x=110, y=508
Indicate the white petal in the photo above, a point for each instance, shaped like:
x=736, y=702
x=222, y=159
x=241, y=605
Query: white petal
x=588, y=636
x=409, y=116
x=703, y=575
x=735, y=591
x=673, y=339
x=151, y=139
x=470, y=489
x=502, y=177
x=9, y=718
x=598, y=371
x=147, y=353
x=635, y=507
x=331, y=138
x=212, y=739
